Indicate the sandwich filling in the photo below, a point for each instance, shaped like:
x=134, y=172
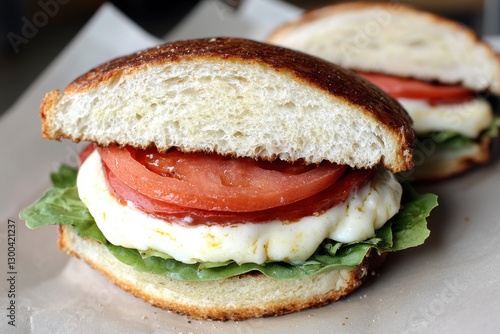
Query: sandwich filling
x=355, y=219
x=437, y=108
x=158, y=240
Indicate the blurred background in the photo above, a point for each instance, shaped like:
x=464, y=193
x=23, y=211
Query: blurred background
x=22, y=60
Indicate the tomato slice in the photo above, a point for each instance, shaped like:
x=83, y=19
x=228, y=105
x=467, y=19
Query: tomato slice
x=84, y=154
x=216, y=183
x=398, y=87
x=333, y=195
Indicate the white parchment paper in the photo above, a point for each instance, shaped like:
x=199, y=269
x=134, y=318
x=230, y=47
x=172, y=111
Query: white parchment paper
x=449, y=285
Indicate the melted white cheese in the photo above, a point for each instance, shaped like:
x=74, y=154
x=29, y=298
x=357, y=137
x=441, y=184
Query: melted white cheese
x=355, y=220
x=468, y=118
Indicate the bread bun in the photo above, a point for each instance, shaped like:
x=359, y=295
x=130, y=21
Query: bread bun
x=398, y=40
x=394, y=39
x=233, y=97
x=236, y=298
x=447, y=162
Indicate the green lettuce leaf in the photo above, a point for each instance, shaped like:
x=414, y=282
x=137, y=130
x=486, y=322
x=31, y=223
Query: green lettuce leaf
x=494, y=128
x=61, y=206
x=451, y=139
x=455, y=140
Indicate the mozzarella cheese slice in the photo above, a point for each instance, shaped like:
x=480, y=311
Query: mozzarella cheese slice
x=468, y=118
x=355, y=220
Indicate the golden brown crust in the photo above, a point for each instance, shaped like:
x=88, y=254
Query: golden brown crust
x=313, y=71
x=231, y=310
x=48, y=105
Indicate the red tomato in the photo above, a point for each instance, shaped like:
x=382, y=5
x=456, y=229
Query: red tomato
x=333, y=195
x=87, y=150
x=213, y=182
x=398, y=87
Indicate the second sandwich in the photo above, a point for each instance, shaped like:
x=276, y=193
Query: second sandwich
x=438, y=70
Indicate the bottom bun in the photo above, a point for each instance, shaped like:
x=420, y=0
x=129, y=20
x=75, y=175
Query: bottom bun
x=448, y=162
x=241, y=297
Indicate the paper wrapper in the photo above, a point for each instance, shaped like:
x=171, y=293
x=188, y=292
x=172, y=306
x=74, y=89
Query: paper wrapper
x=449, y=285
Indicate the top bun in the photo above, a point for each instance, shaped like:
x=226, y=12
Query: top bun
x=233, y=97
x=395, y=39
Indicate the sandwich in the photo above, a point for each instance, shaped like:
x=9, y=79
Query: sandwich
x=229, y=179
x=439, y=70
